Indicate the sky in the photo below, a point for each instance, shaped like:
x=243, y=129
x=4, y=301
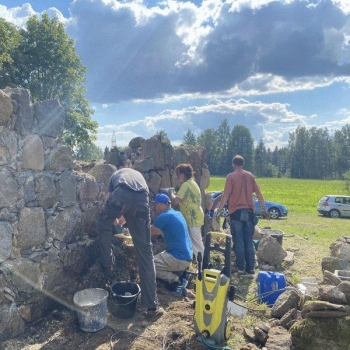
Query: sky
x=182, y=65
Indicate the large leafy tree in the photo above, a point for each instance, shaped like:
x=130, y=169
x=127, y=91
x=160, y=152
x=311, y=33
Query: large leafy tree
x=47, y=64
x=9, y=40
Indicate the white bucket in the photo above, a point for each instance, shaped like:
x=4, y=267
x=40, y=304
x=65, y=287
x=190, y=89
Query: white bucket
x=91, y=309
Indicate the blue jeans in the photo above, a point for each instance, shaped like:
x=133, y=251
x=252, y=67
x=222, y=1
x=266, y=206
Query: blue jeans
x=242, y=231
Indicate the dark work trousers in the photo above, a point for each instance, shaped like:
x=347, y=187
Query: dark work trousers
x=134, y=206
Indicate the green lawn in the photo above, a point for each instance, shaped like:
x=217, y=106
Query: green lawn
x=299, y=196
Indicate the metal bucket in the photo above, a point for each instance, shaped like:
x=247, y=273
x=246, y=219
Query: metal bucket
x=91, y=309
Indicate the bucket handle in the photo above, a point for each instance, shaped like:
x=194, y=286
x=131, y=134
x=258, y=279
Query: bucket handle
x=132, y=300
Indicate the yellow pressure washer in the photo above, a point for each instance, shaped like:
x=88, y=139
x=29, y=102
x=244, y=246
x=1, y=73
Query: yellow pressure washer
x=213, y=290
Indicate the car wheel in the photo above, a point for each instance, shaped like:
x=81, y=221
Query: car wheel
x=224, y=211
x=334, y=214
x=274, y=213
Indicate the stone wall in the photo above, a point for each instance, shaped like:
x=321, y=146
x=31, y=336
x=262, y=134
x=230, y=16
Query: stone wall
x=49, y=205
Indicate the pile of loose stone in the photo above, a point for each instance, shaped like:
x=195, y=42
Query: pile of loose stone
x=317, y=318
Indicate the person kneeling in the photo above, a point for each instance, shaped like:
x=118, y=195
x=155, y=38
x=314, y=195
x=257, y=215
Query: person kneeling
x=178, y=254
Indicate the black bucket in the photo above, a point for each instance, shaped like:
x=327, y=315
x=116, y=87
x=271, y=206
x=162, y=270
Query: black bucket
x=124, y=298
x=277, y=234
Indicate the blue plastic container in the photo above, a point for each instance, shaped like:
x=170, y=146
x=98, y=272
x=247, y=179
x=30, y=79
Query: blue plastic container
x=270, y=286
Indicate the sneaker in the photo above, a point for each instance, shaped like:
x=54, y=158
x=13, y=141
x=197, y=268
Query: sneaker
x=180, y=289
x=155, y=313
x=185, y=275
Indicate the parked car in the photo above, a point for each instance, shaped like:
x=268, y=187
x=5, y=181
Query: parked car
x=335, y=206
x=276, y=210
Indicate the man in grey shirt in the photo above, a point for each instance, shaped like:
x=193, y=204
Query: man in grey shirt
x=128, y=196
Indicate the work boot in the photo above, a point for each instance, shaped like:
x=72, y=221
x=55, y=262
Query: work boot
x=154, y=314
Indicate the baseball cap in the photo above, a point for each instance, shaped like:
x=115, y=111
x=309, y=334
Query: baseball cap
x=162, y=198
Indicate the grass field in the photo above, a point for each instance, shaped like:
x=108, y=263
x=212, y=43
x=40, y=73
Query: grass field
x=299, y=196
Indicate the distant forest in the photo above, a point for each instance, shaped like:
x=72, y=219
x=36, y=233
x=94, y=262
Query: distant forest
x=312, y=153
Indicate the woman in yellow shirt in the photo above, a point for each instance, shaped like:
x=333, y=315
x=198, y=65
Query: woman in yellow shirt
x=189, y=200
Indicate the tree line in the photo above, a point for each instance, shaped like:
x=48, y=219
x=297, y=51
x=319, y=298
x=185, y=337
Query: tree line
x=312, y=153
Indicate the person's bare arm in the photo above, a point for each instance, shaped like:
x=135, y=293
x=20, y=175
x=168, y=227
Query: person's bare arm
x=155, y=231
x=261, y=200
x=121, y=221
x=225, y=196
x=175, y=200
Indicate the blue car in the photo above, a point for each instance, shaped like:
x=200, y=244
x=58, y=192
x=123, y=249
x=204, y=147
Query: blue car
x=276, y=210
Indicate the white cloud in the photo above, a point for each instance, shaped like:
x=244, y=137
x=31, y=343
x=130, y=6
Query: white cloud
x=229, y=59
x=19, y=15
x=263, y=119
x=184, y=49
x=137, y=53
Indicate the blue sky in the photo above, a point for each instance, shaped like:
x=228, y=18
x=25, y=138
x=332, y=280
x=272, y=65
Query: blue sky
x=187, y=65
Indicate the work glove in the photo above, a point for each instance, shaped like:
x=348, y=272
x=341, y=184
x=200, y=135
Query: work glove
x=211, y=213
x=265, y=214
x=168, y=191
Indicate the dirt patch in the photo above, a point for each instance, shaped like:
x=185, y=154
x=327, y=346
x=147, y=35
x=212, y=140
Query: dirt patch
x=174, y=330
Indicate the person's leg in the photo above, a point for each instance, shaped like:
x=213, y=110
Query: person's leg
x=248, y=232
x=105, y=229
x=237, y=234
x=165, y=263
x=196, y=240
x=140, y=233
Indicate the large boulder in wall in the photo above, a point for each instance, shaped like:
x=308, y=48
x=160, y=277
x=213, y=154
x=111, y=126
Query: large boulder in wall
x=6, y=108
x=50, y=118
x=23, y=109
x=102, y=173
x=33, y=153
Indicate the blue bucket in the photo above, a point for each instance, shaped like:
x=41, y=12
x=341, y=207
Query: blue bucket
x=270, y=286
